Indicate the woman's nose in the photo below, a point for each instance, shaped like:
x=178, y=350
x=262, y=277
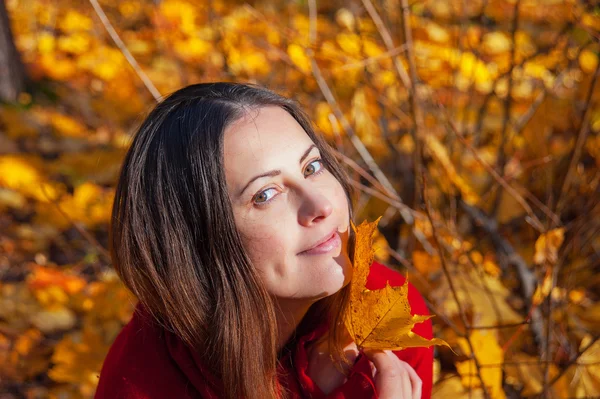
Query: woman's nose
x=315, y=208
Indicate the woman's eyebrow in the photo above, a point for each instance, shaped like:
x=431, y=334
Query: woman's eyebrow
x=303, y=157
x=267, y=174
x=277, y=171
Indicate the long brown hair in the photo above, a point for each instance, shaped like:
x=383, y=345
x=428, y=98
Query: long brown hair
x=174, y=243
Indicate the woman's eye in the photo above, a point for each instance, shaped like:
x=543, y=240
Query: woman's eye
x=314, y=167
x=264, y=196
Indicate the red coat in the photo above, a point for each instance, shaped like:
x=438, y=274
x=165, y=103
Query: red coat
x=147, y=362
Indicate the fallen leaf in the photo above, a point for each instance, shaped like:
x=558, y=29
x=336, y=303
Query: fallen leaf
x=490, y=357
x=483, y=295
x=380, y=319
x=451, y=387
x=528, y=372
x=586, y=372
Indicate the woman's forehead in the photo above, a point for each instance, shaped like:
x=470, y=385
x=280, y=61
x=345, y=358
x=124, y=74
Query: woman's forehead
x=271, y=132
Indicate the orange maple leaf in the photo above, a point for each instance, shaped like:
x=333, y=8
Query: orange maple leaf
x=380, y=319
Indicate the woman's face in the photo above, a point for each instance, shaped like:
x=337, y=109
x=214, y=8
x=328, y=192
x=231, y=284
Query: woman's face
x=291, y=212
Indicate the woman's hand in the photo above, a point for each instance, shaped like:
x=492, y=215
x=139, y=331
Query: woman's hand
x=394, y=378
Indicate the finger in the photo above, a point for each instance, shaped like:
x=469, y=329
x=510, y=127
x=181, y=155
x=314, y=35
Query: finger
x=380, y=359
x=407, y=390
x=416, y=382
x=388, y=375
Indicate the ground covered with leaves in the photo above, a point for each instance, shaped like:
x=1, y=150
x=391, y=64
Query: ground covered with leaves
x=472, y=127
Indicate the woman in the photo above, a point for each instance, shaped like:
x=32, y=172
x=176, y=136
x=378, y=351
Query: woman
x=231, y=226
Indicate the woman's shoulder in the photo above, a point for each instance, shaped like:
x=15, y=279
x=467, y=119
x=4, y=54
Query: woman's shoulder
x=138, y=364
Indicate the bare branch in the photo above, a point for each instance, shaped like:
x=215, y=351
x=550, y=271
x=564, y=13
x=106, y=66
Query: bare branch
x=452, y=289
x=119, y=43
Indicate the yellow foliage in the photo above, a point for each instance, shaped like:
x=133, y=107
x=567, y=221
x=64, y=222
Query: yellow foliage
x=25, y=358
x=372, y=48
x=542, y=291
x=249, y=62
x=496, y=43
x=345, y=18
x=51, y=320
x=423, y=225
x=350, y=43
x=406, y=144
x=180, y=14
x=78, y=358
x=86, y=99
x=104, y=62
x=57, y=67
x=437, y=34
x=441, y=155
x=425, y=263
x=76, y=43
x=384, y=79
x=322, y=112
x=588, y=61
x=17, y=173
x=74, y=21
x=299, y=57
x=192, y=48
x=363, y=116
x=89, y=204
x=46, y=43
x=547, y=246
x=62, y=124
x=42, y=277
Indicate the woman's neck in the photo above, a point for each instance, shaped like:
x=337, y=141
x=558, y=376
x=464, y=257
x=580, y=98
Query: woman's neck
x=289, y=315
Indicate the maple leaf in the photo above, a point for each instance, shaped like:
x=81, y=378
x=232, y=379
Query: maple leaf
x=380, y=319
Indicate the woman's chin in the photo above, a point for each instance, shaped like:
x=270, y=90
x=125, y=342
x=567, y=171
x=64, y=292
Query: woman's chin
x=341, y=275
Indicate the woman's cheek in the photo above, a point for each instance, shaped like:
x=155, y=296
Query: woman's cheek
x=262, y=239
x=341, y=202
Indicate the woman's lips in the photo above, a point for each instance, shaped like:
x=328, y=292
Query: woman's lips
x=332, y=243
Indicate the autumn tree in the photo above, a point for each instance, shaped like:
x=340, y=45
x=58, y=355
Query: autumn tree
x=12, y=76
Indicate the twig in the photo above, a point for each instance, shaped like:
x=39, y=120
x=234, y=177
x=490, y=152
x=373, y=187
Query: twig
x=84, y=233
x=499, y=326
x=583, y=132
x=481, y=113
x=350, y=162
x=528, y=280
x=410, y=83
x=501, y=163
x=534, y=219
x=389, y=43
x=391, y=201
x=117, y=40
x=452, y=289
x=326, y=91
x=486, y=288
x=573, y=361
x=389, y=53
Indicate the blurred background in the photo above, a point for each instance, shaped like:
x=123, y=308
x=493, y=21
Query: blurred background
x=471, y=126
